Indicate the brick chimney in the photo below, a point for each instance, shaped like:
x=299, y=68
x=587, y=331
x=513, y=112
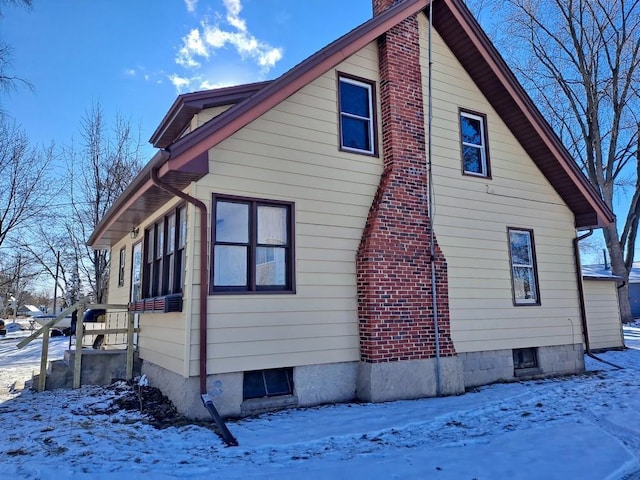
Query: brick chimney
x=395, y=301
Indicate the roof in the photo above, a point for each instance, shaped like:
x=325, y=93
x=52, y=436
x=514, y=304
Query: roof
x=184, y=159
x=187, y=105
x=598, y=272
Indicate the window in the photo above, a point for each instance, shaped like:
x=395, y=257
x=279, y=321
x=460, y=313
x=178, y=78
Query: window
x=164, y=255
x=121, y=267
x=253, y=245
x=267, y=383
x=525, y=358
x=136, y=273
x=357, y=121
x=524, y=275
x=475, y=154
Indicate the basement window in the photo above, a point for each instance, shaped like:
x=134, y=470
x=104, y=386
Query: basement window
x=267, y=383
x=524, y=358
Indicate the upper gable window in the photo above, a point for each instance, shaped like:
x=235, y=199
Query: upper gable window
x=357, y=119
x=475, y=154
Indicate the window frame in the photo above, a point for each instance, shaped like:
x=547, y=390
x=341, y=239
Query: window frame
x=484, y=147
x=157, y=280
x=262, y=375
x=121, y=266
x=532, y=363
x=523, y=302
x=251, y=288
x=372, y=121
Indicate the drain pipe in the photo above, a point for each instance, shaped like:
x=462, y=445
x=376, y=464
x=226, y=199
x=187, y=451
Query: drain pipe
x=583, y=308
x=204, y=293
x=431, y=212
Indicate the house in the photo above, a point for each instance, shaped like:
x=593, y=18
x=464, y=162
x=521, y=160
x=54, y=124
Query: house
x=317, y=239
x=634, y=289
x=29, y=310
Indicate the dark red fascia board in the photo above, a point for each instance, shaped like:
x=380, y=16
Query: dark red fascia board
x=188, y=104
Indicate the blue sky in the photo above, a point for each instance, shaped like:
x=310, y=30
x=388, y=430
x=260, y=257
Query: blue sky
x=135, y=56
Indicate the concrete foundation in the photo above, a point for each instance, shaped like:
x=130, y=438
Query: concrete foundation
x=313, y=385
x=183, y=392
x=330, y=383
x=483, y=368
x=371, y=382
x=386, y=381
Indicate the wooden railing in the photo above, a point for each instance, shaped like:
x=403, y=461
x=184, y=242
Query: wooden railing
x=80, y=307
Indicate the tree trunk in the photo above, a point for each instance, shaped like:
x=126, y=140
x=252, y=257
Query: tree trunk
x=625, y=304
x=619, y=268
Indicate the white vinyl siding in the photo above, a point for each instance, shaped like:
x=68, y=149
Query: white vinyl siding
x=472, y=215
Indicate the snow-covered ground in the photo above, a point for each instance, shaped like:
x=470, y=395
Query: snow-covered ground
x=585, y=427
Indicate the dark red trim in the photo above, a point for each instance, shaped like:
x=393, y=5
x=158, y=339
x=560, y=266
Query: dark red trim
x=251, y=288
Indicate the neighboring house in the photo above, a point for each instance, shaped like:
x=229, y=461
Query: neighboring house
x=278, y=249
x=603, y=311
x=29, y=310
x=634, y=290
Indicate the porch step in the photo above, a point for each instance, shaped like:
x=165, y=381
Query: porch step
x=99, y=367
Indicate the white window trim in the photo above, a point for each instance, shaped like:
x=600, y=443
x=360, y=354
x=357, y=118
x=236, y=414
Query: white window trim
x=531, y=265
x=482, y=146
x=368, y=119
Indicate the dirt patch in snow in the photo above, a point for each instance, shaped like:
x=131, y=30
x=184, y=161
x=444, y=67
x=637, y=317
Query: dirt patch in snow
x=154, y=408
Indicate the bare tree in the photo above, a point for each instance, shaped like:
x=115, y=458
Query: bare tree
x=23, y=185
x=101, y=170
x=16, y=275
x=9, y=80
x=580, y=61
x=51, y=248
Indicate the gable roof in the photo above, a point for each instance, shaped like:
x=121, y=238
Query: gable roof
x=188, y=104
x=185, y=159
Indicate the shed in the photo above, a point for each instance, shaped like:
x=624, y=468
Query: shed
x=602, y=308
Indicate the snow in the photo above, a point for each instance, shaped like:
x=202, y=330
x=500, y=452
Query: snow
x=583, y=426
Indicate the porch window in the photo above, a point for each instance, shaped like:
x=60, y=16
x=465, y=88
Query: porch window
x=121, y=260
x=253, y=245
x=357, y=119
x=524, y=274
x=164, y=255
x=475, y=154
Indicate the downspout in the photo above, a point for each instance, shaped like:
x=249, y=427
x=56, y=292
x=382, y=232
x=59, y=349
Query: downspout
x=431, y=212
x=583, y=308
x=228, y=438
x=204, y=284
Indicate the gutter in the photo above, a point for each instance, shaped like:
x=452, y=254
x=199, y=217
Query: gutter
x=583, y=308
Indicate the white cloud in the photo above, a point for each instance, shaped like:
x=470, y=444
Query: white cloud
x=192, y=46
x=191, y=5
x=229, y=31
x=130, y=72
x=181, y=83
x=207, y=85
